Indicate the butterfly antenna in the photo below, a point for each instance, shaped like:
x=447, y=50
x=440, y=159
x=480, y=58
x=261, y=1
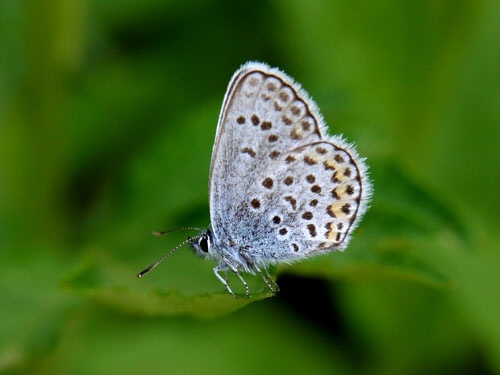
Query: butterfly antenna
x=164, y=232
x=153, y=266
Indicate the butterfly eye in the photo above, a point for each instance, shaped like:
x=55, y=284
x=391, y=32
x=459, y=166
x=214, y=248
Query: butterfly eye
x=203, y=243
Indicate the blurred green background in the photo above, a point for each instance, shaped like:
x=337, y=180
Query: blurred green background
x=108, y=111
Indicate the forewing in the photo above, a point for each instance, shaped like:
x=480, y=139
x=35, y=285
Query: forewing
x=265, y=114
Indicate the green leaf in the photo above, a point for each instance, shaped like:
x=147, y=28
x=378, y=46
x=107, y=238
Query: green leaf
x=105, y=282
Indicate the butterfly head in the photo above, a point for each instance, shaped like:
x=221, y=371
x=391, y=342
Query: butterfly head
x=202, y=244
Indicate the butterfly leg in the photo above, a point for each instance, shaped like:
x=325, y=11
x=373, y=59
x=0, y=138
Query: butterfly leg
x=265, y=276
x=233, y=268
x=217, y=269
x=276, y=287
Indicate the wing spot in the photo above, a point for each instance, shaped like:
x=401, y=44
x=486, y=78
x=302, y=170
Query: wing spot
x=287, y=120
x=272, y=138
x=271, y=87
x=306, y=125
x=330, y=211
x=346, y=208
x=307, y=215
x=329, y=231
x=309, y=160
x=292, y=201
x=284, y=97
x=241, y=120
x=253, y=81
x=313, y=203
x=347, y=172
x=289, y=159
x=324, y=246
x=268, y=183
x=295, y=134
x=295, y=110
x=339, y=159
x=249, y=151
x=310, y=178
x=340, y=226
x=266, y=125
x=283, y=231
x=335, y=194
x=255, y=120
x=278, y=107
x=295, y=247
x=274, y=154
x=255, y=203
x=328, y=166
x=276, y=220
x=349, y=190
x=321, y=150
x=312, y=230
x=316, y=189
x=288, y=181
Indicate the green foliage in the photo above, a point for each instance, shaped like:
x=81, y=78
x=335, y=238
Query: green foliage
x=108, y=112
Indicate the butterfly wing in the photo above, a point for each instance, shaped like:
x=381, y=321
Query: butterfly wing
x=317, y=196
x=265, y=121
x=261, y=106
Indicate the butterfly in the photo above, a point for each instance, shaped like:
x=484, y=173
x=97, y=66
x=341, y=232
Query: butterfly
x=281, y=188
